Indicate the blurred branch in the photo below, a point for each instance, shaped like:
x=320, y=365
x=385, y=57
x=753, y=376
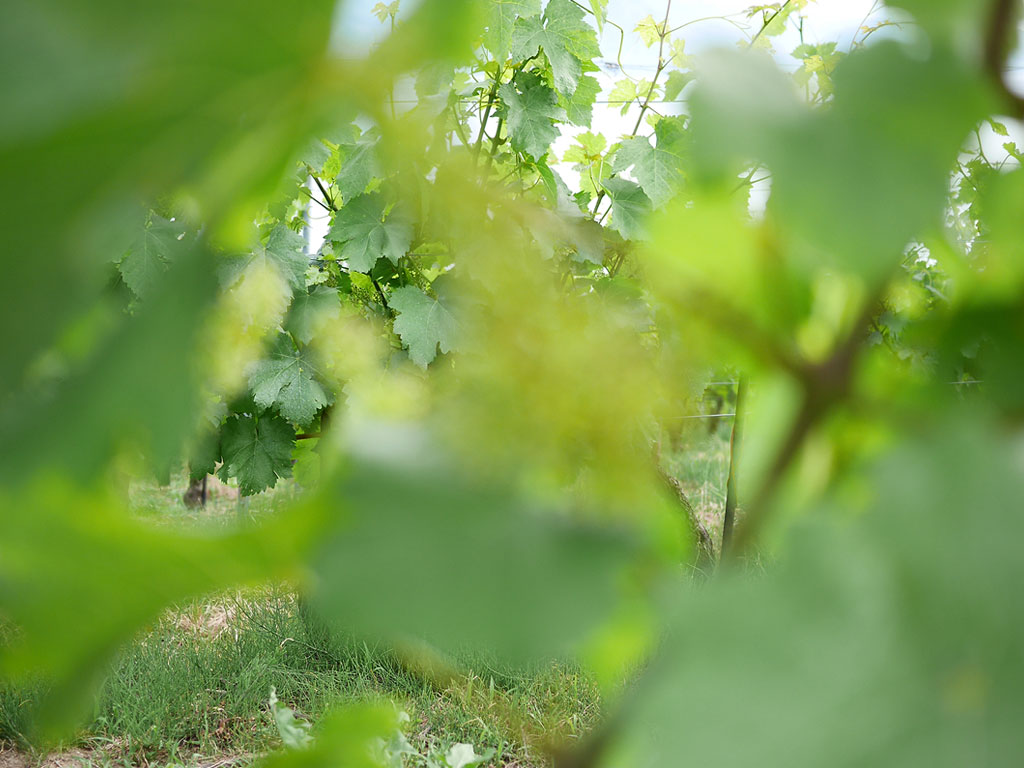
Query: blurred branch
x=824, y=385
x=998, y=39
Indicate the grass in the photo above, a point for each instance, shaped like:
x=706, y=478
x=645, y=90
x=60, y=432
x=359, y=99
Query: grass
x=196, y=686
x=194, y=689
x=700, y=460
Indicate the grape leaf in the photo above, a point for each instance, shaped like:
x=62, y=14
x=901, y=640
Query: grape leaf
x=566, y=38
x=895, y=176
x=286, y=379
x=147, y=261
x=630, y=207
x=677, y=80
x=600, y=9
x=368, y=231
x=204, y=456
x=423, y=323
x=359, y=166
x=256, y=452
x=501, y=21
x=284, y=250
x=309, y=308
x=531, y=115
x=579, y=104
x=502, y=576
x=891, y=634
x=659, y=169
x=649, y=30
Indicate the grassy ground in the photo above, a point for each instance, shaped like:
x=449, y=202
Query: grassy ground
x=700, y=460
x=194, y=689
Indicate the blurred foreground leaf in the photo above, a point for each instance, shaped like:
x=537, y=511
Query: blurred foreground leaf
x=892, y=638
x=423, y=551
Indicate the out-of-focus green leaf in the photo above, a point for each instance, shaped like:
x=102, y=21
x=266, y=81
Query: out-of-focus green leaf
x=151, y=255
x=124, y=101
x=202, y=460
x=355, y=737
x=895, y=175
x=294, y=733
x=139, y=390
x=425, y=552
x=106, y=576
x=887, y=637
x=961, y=21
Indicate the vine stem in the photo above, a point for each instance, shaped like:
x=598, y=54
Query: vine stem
x=491, y=98
x=764, y=26
x=327, y=198
x=663, y=34
x=824, y=385
x=997, y=48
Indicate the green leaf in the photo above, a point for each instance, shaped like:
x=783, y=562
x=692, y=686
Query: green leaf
x=139, y=387
x=947, y=19
x=625, y=92
x=895, y=176
x=383, y=10
x=73, y=616
x=118, y=109
x=367, y=231
x=889, y=633
x=630, y=207
x=150, y=256
x=579, y=105
x=354, y=736
x=659, y=169
x=600, y=9
x=531, y=115
x=501, y=21
x=424, y=551
x=284, y=251
x=255, y=452
x=423, y=323
x=359, y=166
x=311, y=308
x=464, y=756
x=286, y=379
x=294, y=733
x=588, y=147
x=567, y=41
x=676, y=82
x=649, y=30
x=203, y=459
